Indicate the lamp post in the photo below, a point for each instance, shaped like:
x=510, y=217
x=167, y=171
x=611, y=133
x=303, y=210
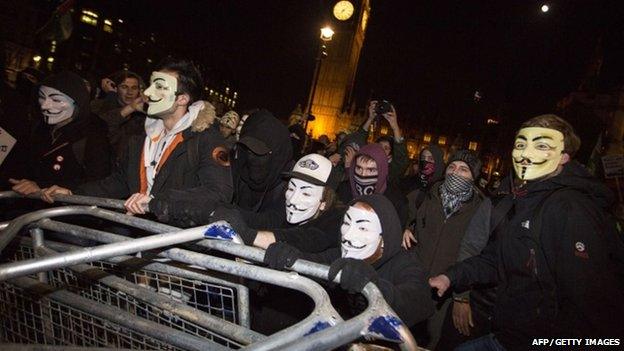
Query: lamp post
x=326, y=35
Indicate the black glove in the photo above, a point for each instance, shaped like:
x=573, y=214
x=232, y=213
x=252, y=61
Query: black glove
x=280, y=255
x=235, y=219
x=355, y=273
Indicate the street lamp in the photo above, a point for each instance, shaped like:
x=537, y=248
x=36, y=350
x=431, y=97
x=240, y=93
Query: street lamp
x=326, y=36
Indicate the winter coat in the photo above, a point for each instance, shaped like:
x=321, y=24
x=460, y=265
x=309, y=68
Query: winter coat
x=402, y=279
x=195, y=172
x=439, y=238
x=72, y=153
x=551, y=282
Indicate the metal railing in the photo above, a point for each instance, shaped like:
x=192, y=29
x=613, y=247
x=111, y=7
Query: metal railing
x=322, y=329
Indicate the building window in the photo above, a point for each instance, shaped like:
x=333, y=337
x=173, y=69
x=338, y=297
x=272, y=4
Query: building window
x=88, y=20
x=108, y=26
x=441, y=140
x=427, y=138
x=89, y=17
x=472, y=146
x=384, y=130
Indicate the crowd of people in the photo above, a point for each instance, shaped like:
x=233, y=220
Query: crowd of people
x=465, y=269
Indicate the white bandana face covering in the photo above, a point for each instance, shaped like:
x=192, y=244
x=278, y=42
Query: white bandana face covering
x=303, y=200
x=361, y=233
x=161, y=93
x=56, y=107
x=537, y=152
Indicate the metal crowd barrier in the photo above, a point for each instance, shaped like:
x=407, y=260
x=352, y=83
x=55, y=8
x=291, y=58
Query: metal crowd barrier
x=56, y=293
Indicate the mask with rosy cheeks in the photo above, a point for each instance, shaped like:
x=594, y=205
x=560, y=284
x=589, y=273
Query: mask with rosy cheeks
x=537, y=152
x=161, y=94
x=303, y=201
x=361, y=233
x=56, y=107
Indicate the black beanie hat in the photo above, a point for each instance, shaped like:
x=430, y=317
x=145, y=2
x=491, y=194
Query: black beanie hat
x=471, y=159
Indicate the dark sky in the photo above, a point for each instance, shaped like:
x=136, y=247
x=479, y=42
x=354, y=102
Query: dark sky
x=427, y=57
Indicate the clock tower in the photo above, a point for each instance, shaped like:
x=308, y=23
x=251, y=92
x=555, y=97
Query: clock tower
x=336, y=76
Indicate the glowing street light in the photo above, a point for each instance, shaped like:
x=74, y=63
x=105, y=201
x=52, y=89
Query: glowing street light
x=37, y=58
x=545, y=8
x=327, y=33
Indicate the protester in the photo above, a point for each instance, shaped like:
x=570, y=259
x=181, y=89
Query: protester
x=369, y=174
x=122, y=108
x=430, y=170
x=440, y=226
x=68, y=145
x=227, y=126
x=310, y=217
x=181, y=155
x=552, y=262
x=370, y=252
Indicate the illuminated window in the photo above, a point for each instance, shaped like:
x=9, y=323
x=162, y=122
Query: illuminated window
x=427, y=138
x=442, y=140
x=107, y=28
x=472, y=146
x=88, y=20
x=90, y=13
x=384, y=130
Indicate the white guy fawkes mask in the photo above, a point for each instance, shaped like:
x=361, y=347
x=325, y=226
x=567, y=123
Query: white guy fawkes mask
x=303, y=200
x=161, y=93
x=361, y=233
x=56, y=107
x=537, y=152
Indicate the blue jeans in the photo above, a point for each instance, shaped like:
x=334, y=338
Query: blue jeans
x=484, y=343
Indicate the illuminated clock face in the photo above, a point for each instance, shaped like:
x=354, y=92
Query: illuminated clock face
x=343, y=10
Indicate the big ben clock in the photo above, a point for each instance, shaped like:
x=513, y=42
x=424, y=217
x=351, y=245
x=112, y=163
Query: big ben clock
x=343, y=10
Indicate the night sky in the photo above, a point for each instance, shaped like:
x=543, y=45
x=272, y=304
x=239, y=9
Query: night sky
x=427, y=57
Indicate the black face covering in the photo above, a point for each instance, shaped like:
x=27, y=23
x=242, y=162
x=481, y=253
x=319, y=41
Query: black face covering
x=365, y=185
x=254, y=169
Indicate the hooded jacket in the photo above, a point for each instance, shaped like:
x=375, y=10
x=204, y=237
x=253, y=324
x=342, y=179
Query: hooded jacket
x=415, y=187
x=402, y=279
x=347, y=191
x=264, y=127
x=556, y=285
x=72, y=153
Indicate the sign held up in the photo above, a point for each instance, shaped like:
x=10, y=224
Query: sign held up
x=6, y=144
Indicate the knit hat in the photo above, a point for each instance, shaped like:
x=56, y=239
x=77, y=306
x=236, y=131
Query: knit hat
x=230, y=119
x=315, y=169
x=470, y=158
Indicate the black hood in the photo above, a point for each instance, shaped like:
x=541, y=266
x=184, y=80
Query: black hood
x=262, y=126
x=390, y=225
x=440, y=166
x=72, y=85
x=574, y=175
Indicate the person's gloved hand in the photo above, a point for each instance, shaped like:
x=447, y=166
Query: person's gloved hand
x=355, y=273
x=280, y=255
x=235, y=219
